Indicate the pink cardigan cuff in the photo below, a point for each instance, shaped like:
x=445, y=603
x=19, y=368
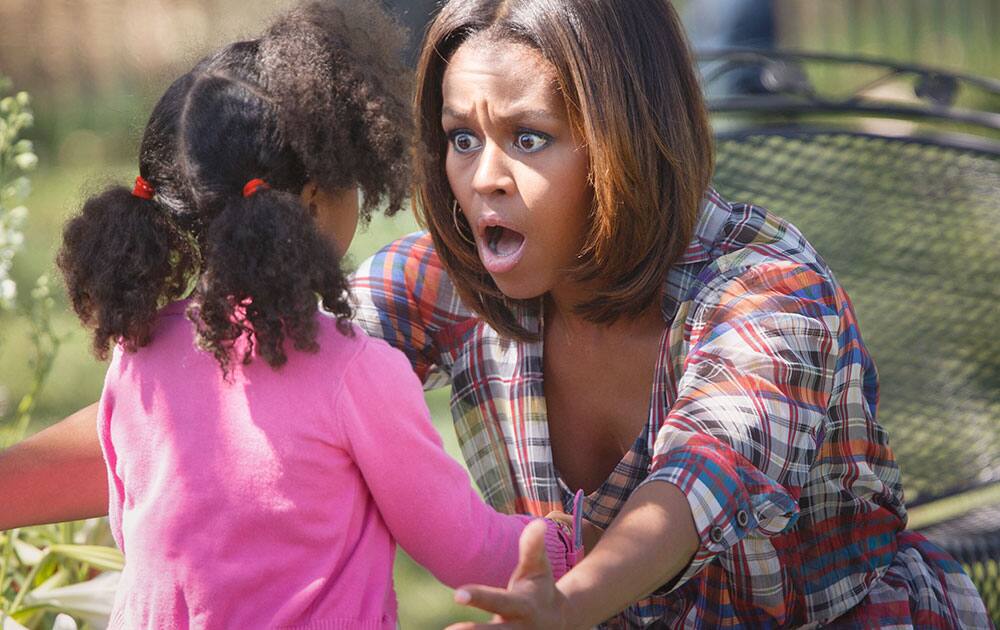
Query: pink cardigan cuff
x=563, y=556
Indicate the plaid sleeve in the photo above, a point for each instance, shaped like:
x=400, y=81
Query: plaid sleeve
x=402, y=295
x=744, y=430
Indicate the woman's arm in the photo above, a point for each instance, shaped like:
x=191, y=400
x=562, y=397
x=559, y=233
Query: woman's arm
x=55, y=475
x=732, y=456
x=403, y=296
x=630, y=560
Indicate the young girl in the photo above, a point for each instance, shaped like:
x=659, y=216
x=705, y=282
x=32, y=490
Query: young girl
x=263, y=459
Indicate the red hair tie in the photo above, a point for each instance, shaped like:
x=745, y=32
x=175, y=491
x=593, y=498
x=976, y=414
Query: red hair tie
x=254, y=185
x=142, y=189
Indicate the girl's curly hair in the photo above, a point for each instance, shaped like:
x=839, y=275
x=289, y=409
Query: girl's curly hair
x=320, y=96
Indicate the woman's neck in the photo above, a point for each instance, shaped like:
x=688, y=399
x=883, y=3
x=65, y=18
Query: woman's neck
x=561, y=315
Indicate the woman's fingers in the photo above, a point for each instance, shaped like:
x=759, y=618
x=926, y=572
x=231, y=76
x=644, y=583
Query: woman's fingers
x=507, y=604
x=530, y=600
x=532, y=561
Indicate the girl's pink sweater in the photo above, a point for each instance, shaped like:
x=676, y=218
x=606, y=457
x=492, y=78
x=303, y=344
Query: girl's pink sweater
x=276, y=500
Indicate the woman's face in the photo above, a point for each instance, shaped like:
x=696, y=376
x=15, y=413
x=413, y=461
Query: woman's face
x=518, y=173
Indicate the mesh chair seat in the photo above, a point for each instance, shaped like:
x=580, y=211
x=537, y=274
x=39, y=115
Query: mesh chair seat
x=911, y=228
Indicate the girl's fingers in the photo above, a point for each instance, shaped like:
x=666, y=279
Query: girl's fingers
x=562, y=517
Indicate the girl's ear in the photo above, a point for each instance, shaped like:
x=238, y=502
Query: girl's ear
x=309, y=191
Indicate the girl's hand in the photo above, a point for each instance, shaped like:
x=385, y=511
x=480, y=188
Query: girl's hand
x=591, y=533
x=560, y=517
x=531, y=600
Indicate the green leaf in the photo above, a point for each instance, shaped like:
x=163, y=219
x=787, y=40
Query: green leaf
x=107, y=558
x=60, y=578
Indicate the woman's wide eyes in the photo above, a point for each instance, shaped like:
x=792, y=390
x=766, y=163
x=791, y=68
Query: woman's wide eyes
x=529, y=141
x=464, y=142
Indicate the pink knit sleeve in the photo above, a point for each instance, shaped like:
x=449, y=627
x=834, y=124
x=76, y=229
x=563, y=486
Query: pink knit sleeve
x=116, y=490
x=425, y=496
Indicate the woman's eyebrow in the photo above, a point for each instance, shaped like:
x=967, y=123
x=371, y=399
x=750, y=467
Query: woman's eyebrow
x=452, y=113
x=542, y=115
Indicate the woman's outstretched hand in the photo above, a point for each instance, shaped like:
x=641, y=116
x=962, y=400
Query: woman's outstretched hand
x=531, y=599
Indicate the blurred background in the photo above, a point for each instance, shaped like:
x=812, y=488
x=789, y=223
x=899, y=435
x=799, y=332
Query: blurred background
x=95, y=67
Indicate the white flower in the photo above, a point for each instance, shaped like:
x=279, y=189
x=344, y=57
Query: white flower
x=8, y=292
x=64, y=622
x=41, y=290
x=17, y=215
x=26, y=161
x=6, y=623
x=19, y=189
x=90, y=601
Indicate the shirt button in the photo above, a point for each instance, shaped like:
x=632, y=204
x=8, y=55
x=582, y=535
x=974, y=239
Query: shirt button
x=742, y=518
x=716, y=535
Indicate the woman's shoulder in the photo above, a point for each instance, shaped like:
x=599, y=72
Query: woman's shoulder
x=742, y=253
x=413, y=251
x=406, y=280
x=747, y=237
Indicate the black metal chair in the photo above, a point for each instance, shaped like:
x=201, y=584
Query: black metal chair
x=897, y=184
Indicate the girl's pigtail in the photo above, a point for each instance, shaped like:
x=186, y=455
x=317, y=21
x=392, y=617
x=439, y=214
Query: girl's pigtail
x=264, y=265
x=122, y=259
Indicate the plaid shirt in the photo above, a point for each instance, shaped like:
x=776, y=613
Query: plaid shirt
x=763, y=415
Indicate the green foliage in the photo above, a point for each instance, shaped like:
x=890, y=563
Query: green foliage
x=56, y=568
x=17, y=158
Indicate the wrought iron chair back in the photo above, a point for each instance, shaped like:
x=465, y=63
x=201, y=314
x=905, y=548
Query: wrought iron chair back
x=903, y=201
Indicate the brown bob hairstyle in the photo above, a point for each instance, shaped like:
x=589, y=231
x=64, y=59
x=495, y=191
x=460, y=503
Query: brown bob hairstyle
x=632, y=95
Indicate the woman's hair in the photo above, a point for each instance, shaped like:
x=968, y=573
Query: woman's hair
x=320, y=96
x=631, y=92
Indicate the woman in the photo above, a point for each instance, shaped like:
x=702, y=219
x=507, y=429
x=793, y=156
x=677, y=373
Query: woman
x=704, y=379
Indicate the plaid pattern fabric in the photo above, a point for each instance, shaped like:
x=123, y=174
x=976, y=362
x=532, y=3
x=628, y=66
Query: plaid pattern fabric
x=764, y=417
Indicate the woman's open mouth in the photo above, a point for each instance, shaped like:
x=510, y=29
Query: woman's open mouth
x=500, y=248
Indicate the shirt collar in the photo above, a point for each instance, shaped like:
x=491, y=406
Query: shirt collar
x=713, y=213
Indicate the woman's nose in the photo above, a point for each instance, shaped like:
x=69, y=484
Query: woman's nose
x=493, y=174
